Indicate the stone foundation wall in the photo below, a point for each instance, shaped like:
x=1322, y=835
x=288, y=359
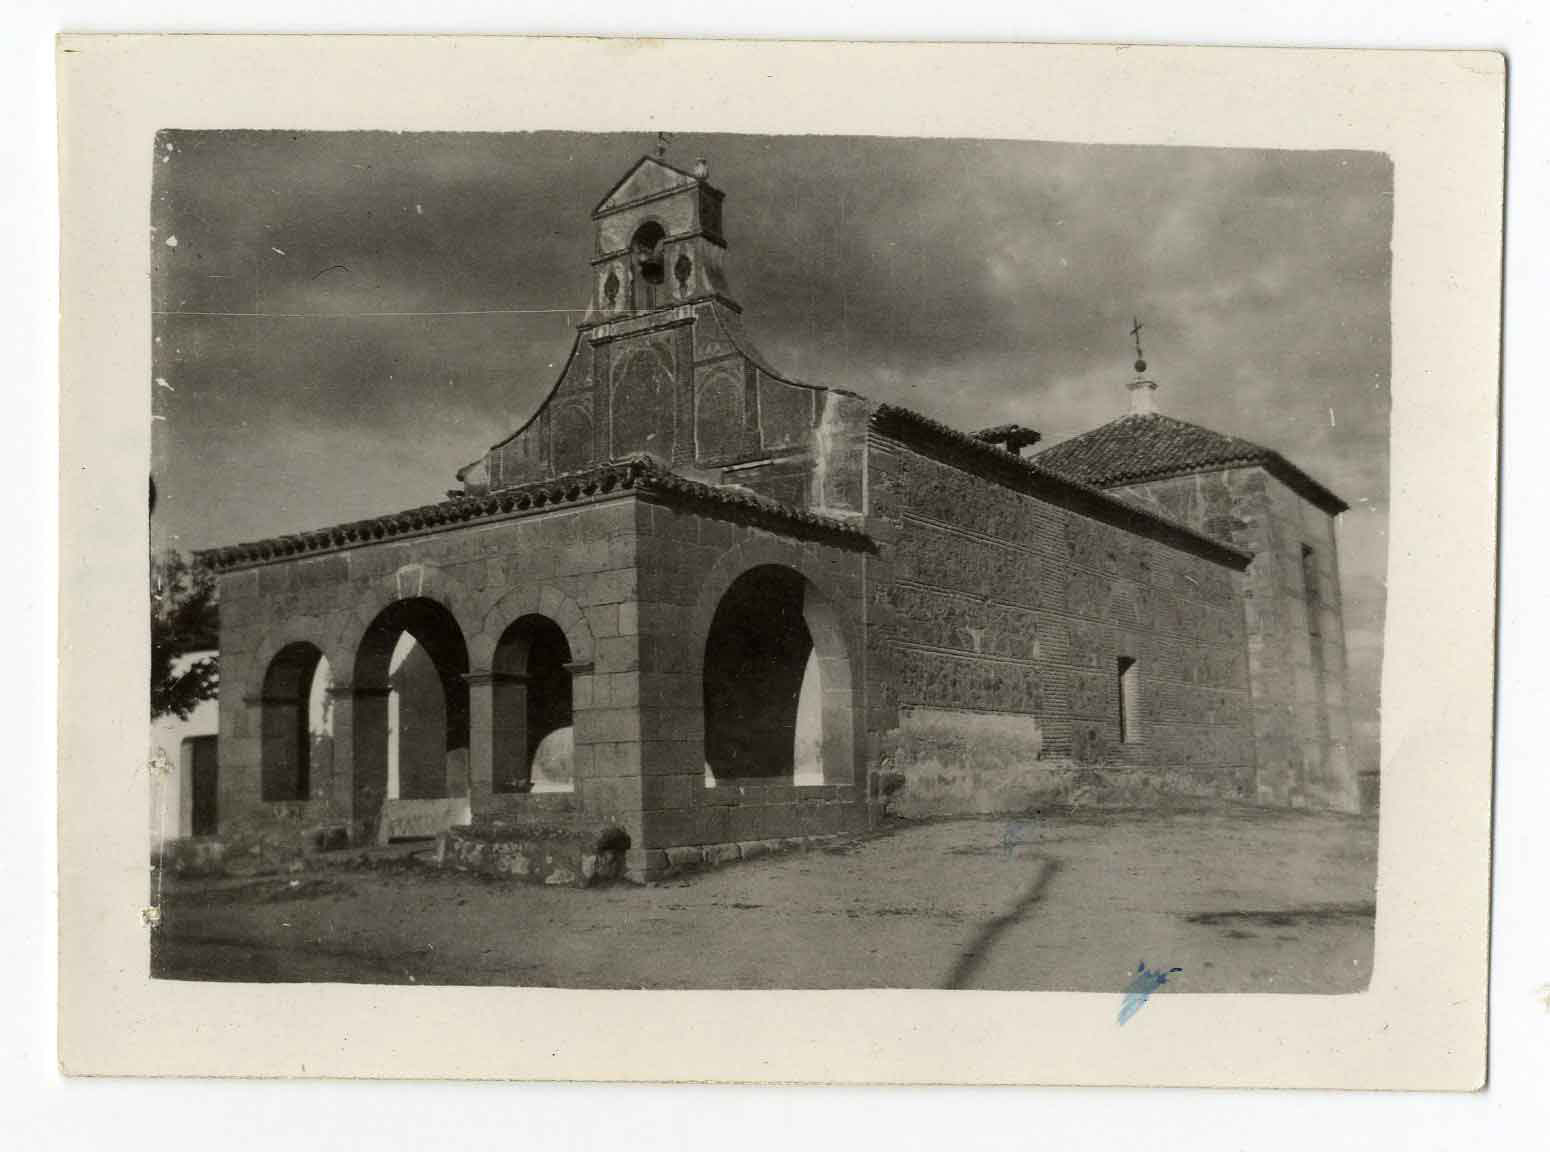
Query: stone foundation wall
x=554, y=850
x=1000, y=622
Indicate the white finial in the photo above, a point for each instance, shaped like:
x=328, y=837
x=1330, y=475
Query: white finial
x=701, y=169
x=1143, y=397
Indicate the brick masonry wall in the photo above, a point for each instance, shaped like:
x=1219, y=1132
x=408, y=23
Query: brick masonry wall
x=1301, y=721
x=997, y=625
x=575, y=565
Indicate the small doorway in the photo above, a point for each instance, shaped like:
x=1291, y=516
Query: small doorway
x=204, y=783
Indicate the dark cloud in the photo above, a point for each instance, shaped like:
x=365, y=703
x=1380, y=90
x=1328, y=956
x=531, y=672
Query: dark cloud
x=981, y=281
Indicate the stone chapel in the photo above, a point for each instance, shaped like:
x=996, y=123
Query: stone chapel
x=707, y=609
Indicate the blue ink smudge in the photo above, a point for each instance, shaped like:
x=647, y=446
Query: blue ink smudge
x=1142, y=985
x=1012, y=837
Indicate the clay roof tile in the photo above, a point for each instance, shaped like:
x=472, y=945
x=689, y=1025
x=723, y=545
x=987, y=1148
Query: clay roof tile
x=1150, y=446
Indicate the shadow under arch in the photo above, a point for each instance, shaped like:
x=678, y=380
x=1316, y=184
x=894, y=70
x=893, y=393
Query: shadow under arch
x=287, y=773
x=435, y=630
x=773, y=633
x=533, y=703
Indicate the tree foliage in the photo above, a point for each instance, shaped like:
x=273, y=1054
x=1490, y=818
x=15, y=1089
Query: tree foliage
x=184, y=618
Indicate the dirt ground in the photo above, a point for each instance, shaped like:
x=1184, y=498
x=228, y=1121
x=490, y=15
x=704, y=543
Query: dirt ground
x=1242, y=901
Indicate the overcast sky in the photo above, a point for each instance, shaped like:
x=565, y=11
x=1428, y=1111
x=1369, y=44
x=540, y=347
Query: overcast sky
x=979, y=282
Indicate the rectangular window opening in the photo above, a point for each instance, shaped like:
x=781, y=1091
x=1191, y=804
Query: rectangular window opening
x=1310, y=590
x=1129, y=700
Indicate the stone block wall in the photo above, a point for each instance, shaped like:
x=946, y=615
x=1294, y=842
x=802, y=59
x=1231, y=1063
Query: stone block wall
x=574, y=565
x=688, y=560
x=1298, y=675
x=998, y=624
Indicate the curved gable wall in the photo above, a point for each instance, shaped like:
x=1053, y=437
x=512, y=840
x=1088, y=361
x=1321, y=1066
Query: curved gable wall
x=684, y=386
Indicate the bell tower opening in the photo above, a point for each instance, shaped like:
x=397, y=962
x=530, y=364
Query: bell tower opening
x=658, y=240
x=650, y=263
x=647, y=246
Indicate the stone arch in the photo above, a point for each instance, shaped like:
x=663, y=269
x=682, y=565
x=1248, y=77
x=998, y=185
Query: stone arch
x=530, y=600
x=409, y=581
x=301, y=630
x=441, y=653
x=532, y=708
x=648, y=254
x=286, y=769
x=767, y=619
x=751, y=554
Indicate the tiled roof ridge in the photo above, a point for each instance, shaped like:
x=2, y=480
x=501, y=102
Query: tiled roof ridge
x=1226, y=452
x=637, y=473
x=1103, y=503
x=659, y=479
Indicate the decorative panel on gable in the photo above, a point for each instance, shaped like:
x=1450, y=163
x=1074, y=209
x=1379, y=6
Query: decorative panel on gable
x=572, y=447
x=718, y=411
x=643, y=404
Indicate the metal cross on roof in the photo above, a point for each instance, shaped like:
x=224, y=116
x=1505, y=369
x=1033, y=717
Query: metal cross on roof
x=661, y=143
x=1136, y=332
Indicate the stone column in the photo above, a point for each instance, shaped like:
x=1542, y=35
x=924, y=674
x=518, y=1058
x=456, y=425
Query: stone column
x=341, y=781
x=481, y=742
x=249, y=721
x=364, y=782
x=238, y=782
x=497, y=733
x=513, y=765
x=582, y=690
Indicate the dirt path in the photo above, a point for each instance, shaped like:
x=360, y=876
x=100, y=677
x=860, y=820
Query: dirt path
x=1242, y=901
